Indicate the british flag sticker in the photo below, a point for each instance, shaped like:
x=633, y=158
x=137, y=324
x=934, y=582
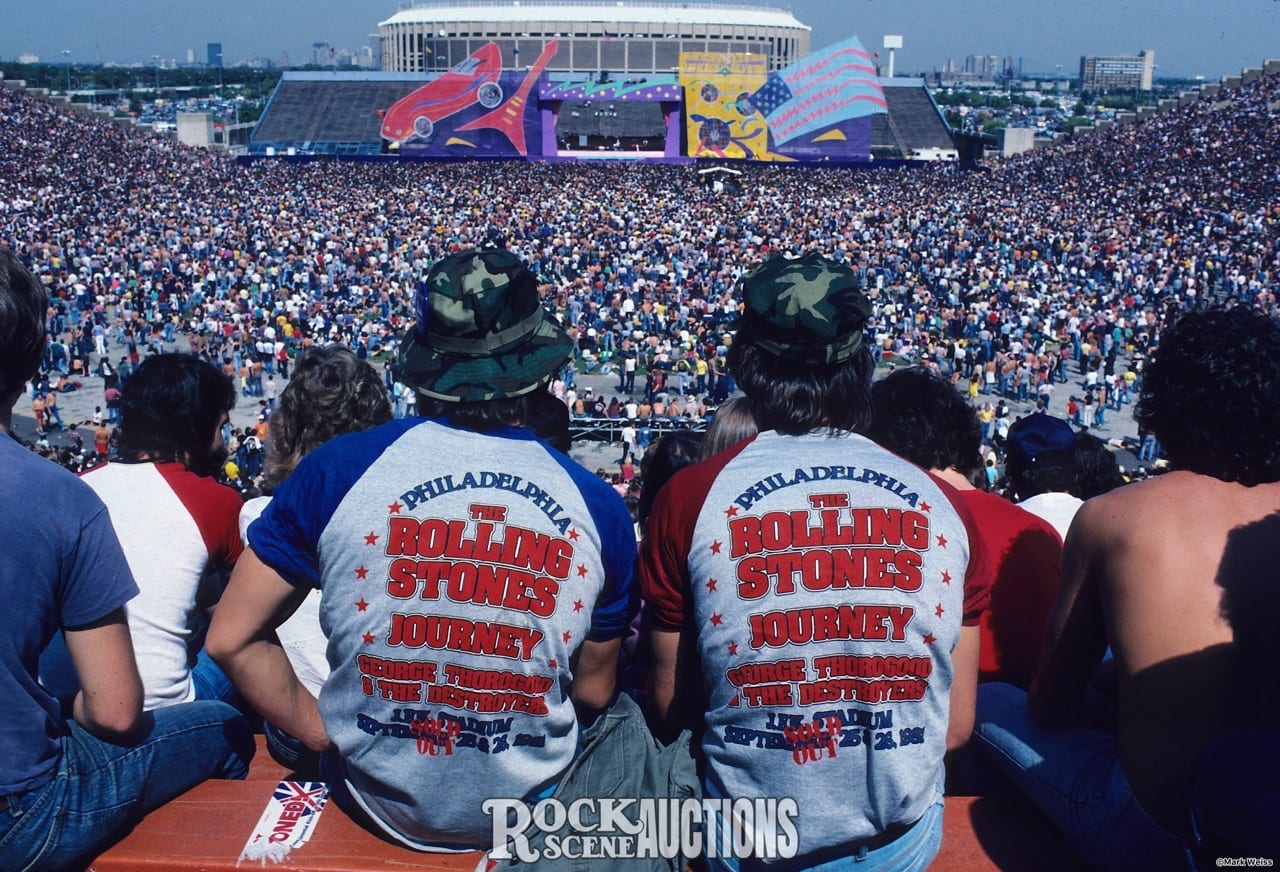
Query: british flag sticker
x=288, y=821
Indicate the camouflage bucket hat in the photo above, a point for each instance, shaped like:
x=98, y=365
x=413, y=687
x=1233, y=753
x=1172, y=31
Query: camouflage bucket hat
x=481, y=333
x=808, y=309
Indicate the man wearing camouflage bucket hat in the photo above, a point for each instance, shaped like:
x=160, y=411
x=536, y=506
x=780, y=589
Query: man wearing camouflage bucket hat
x=475, y=583
x=828, y=591
x=482, y=332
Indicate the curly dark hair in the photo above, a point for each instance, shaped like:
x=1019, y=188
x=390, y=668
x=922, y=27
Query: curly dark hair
x=921, y=417
x=330, y=393
x=794, y=397
x=1227, y=361
x=1097, y=470
x=23, y=301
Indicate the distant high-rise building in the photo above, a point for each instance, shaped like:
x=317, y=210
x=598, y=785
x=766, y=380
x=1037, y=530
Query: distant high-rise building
x=1102, y=73
x=321, y=54
x=215, y=54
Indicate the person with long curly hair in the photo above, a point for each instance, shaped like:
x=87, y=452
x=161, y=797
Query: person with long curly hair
x=332, y=392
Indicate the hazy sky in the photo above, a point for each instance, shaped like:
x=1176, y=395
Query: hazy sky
x=1211, y=38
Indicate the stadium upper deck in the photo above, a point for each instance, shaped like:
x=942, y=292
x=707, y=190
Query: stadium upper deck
x=591, y=36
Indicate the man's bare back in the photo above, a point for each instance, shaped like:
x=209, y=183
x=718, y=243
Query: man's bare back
x=1144, y=567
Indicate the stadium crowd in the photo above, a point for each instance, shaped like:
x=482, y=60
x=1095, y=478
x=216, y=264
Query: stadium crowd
x=1080, y=259
x=1074, y=253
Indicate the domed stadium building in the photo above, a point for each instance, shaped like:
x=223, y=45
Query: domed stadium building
x=590, y=36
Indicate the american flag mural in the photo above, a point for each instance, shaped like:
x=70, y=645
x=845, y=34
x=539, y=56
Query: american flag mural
x=832, y=85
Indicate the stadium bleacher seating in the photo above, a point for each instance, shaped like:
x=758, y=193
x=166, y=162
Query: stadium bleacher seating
x=912, y=123
x=328, y=112
x=205, y=830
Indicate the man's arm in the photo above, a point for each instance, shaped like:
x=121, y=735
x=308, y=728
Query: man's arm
x=109, y=704
x=964, y=687
x=1077, y=636
x=676, y=691
x=242, y=641
x=594, y=678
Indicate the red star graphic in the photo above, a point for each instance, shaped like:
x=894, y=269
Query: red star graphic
x=567, y=635
x=938, y=610
x=395, y=508
x=942, y=541
x=368, y=638
x=711, y=584
x=582, y=569
x=574, y=534
x=946, y=577
x=577, y=605
x=371, y=539
x=929, y=639
x=716, y=620
x=361, y=605
x=553, y=664
x=733, y=649
x=715, y=547
x=731, y=512
x=924, y=507
x=362, y=573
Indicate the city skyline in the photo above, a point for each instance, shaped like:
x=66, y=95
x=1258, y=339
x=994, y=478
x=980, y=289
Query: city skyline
x=1190, y=38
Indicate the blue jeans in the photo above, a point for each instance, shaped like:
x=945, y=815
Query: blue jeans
x=101, y=789
x=1150, y=450
x=1074, y=776
x=914, y=849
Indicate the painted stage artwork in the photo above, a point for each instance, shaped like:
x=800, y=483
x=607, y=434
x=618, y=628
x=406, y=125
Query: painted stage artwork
x=817, y=109
x=474, y=109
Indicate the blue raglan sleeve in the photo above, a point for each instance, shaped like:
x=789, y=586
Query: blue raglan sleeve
x=620, y=596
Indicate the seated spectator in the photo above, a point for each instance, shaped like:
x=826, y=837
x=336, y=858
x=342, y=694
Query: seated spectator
x=727, y=584
x=1040, y=462
x=922, y=418
x=331, y=393
x=1097, y=470
x=178, y=524
x=373, y=518
x=1147, y=570
x=668, y=455
x=731, y=424
x=73, y=783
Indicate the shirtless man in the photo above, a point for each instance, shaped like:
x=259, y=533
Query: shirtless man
x=1145, y=570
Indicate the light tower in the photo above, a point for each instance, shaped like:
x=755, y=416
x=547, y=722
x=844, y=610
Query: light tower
x=892, y=42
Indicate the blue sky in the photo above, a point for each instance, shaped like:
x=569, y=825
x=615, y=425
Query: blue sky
x=1211, y=38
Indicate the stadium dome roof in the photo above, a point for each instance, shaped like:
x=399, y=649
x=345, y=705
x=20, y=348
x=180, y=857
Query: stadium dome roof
x=589, y=11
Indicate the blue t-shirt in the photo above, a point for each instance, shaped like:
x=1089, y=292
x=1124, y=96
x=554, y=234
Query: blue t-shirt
x=460, y=573
x=61, y=564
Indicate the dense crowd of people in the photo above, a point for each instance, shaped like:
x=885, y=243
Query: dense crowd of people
x=494, y=286
x=1084, y=248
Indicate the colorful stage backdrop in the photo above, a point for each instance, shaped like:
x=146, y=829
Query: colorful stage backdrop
x=817, y=109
